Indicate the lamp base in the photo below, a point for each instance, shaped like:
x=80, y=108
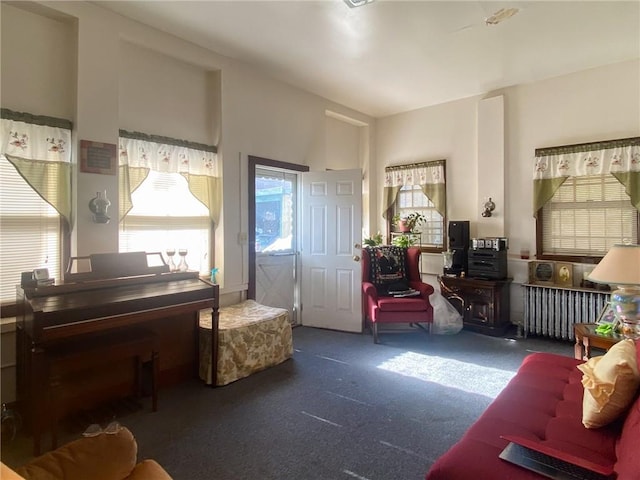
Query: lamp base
x=626, y=305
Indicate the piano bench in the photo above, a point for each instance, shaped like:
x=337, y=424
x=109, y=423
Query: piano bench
x=95, y=351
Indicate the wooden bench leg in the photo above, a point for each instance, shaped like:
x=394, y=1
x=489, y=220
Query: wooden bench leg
x=54, y=389
x=155, y=371
x=139, y=377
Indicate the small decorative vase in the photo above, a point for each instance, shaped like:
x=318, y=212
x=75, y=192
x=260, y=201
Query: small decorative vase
x=447, y=258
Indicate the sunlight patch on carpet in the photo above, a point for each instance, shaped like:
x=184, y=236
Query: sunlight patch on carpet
x=469, y=377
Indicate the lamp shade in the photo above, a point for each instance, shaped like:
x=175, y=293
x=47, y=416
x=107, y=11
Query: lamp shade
x=620, y=266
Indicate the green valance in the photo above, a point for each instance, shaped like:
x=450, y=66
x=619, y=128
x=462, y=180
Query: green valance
x=168, y=141
x=39, y=148
x=619, y=158
x=430, y=176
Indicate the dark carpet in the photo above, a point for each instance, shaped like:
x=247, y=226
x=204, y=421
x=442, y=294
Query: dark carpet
x=341, y=408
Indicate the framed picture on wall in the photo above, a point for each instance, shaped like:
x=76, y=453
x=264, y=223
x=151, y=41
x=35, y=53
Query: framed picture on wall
x=97, y=157
x=564, y=274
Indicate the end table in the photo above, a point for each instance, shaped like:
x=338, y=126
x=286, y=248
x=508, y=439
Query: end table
x=586, y=337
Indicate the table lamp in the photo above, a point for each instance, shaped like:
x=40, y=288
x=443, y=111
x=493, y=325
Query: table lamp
x=620, y=267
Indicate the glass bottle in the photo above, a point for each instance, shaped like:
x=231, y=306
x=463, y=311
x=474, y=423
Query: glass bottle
x=170, y=253
x=182, y=266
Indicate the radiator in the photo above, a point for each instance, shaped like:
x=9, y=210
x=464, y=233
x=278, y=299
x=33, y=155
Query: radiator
x=552, y=311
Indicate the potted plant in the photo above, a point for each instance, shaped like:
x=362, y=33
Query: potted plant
x=404, y=241
x=373, y=240
x=409, y=222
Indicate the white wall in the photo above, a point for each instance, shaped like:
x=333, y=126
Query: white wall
x=111, y=58
x=162, y=95
x=597, y=104
x=343, y=145
x=39, y=75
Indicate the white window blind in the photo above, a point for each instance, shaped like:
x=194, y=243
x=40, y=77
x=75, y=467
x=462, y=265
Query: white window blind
x=165, y=215
x=412, y=199
x=587, y=215
x=29, y=232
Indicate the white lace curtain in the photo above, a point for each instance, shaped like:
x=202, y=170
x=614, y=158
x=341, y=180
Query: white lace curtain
x=430, y=176
x=39, y=148
x=198, y=163
x=620, y=158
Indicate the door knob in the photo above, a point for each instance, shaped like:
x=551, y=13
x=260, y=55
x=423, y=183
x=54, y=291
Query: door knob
x=356, y=258
x=357, y=245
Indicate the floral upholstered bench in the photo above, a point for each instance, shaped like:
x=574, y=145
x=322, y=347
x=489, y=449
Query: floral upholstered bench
x=251, y=337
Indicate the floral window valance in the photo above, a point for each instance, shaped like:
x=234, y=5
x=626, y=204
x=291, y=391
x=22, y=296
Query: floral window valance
x=39, y=147
x=620, y=158
x=430, y=176
x=140, y=153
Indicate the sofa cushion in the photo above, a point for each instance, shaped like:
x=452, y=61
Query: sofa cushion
x=404, y=304
x=610, y=384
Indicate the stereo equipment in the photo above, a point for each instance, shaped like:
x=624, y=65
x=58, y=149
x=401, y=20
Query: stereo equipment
x=498, y=243
x=489, y=264
x=459, y=234
x=458, y=246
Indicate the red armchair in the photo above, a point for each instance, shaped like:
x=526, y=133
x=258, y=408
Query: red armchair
x=379, y=308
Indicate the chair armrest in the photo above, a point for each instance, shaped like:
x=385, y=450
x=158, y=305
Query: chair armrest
x=7, y=474
x=103, y=457
x=424, y=288
x=370, y=290
x=149, y=470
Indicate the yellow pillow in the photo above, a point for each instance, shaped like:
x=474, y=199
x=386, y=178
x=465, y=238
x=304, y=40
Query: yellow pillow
x=610, y=384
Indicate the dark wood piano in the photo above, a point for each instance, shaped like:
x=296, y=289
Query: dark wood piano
x=118, y=291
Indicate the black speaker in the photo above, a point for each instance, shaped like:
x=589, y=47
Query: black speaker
x=459, y=235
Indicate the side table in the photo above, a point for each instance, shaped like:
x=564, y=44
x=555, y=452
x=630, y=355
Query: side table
x=586, y=337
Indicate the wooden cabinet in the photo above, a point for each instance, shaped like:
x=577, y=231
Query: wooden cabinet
x=483, y=304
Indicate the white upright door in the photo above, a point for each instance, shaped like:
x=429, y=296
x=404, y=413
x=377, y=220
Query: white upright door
x=330, y=253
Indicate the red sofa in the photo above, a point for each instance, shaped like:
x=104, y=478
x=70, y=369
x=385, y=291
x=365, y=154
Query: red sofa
x=542, y=402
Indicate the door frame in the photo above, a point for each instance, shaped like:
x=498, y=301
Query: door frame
x=253, y=163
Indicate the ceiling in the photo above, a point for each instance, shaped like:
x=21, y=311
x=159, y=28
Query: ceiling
x=392, y=56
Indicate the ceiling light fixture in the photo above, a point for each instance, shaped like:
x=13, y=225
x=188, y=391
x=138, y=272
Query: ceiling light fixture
x=357, y=3
x=499, y=16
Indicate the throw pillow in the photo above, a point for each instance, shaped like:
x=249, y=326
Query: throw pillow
x=610, y=383
x=387, y=266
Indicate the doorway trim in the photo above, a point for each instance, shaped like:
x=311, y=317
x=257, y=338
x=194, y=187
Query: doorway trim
x=253, y=163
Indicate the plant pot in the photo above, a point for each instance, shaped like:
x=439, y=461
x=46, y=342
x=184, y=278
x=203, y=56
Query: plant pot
x=403, y=227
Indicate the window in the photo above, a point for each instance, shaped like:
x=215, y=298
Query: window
x=418, y=188
x=169, y=198
x=586, y=216
x=412, y=199
x=35, y=196
x=586, y=199
x=30, y=233
x=275, y=205
x=166, y=216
